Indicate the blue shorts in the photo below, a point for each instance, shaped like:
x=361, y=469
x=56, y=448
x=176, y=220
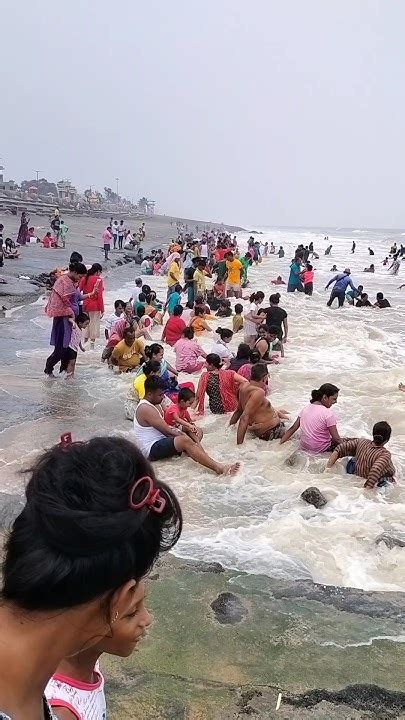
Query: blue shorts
x=163, y=449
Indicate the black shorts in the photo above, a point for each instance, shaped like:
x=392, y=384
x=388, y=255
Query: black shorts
x=71, y=354
x=309, y=288
x=163, y=449
x=107, y=247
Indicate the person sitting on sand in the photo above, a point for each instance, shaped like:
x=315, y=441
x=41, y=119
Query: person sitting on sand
x=187, y=351
x=221, y=386
x=127, y=354
x=198, y=322
x=317, y=422
x=219, y=289
x=242, y=357
x=224, y=308
x=370, y=459
x=48, y=241
x=246, y=369
x=278, y=281
x=381, y=301
x=268, y=341
x=158, y=440
x=370, y=269
x=237, y=320
x=385, y=262
x=255, y=412
x=221, y=345
x=10, y=252
x=333, y=269
x=177, y=415
x=352, y=295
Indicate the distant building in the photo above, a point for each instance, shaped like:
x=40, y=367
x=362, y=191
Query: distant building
x=150, y=207
x=66, y=191
x=6, y=184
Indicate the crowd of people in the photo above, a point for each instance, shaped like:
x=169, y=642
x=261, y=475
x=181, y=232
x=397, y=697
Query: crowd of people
x=76, y=557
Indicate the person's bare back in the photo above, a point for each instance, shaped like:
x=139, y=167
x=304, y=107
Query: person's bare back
x=262, y=416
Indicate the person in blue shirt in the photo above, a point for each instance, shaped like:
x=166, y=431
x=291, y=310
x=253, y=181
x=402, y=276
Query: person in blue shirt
x=352, y=295
x=294, y=281
x=342, y=281
x=174, y=299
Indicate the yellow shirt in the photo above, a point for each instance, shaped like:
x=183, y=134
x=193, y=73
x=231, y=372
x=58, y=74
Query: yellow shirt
x=174, y=270
x=139, y=385
x=199, y=279
x=237, y=323
x=234, y=268
x=128, y=357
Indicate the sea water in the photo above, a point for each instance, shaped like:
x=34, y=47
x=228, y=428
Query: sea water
x=256, y=522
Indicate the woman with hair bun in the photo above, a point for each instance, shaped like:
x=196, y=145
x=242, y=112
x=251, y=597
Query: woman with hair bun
x=221, y=386
x=221, y=345
x=94, y=522
x=317, y=422
x=370, y=459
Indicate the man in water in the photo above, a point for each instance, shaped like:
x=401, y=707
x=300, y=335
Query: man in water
x=255, y=412
x=352, y=295
x=275, y=315
x=158, y=440
x=382, y=302
x=353, y=247
x=342, y=281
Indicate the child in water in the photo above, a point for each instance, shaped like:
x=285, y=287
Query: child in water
x=177, y=415
x=82, y=322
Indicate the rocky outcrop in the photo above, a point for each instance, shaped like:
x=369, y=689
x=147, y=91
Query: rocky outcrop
x=313, y=496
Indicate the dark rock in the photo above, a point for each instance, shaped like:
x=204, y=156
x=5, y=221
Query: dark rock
x=214, y=567
x=313, y=496
x=390, y=541
x=368, y=698
x=228, y=609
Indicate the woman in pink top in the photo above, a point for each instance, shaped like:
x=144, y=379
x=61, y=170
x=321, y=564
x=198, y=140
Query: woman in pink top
x=187, y=352
x=317, y=422
x=307, y=276
x=94, y=305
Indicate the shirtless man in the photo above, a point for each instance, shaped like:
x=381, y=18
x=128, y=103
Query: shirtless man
x=158, y=440
x=255, y=412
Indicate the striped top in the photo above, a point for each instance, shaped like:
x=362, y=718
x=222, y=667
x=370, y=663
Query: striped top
x=372, y=461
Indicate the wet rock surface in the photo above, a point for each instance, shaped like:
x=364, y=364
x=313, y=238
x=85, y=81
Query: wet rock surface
x=313, y=496
x=228, y=609
x=390, y=541
x=370, y=698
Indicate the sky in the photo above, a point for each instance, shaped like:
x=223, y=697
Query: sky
x=267, y=112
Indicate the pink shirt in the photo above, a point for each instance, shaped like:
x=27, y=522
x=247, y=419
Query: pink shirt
x=308, y=276
x=106, y=237
x=315, y=420
x=187, y=351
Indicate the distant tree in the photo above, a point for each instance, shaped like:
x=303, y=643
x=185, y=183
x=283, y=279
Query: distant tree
x=143, y=204
x=110, y=195
x=43, y=186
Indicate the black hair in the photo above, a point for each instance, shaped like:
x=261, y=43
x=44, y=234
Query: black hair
x=185, y=394
x=258, y=372
x=138, y=282
x=257, y=296
x=198, y=310
x=188, y=333
x=326, y=389
x=75, y=258
x=214, y=360
x=153, y=349
x=381, y=433
x=151, y=366
x=238, y=309
x=146, y=289
x=96, y=267
x=117, y=303
x=82, y=317
x=254, y=357
x=78, y=268
x=190, y=305
x=178, y=310
x=264, y=327
x=127, y=330
x=224, y=333
x=309, y=266
x=360, y=286
x=154, y=383
x=275, y=298
x=243, y=351
x=273, y=330
x=178, y=288
x=141, y=297
x=380, y=296
x=77, y=539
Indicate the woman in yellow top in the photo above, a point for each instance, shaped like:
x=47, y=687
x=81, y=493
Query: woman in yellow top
x=173, y=273
x=137, y=389
x=198, y=323
x=128, y=353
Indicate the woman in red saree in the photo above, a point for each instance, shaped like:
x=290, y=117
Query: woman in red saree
x=221, y=386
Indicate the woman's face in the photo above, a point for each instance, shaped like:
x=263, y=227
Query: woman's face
x=329, y=401
x=227, y=339
x=129, y=310
x=159, y=355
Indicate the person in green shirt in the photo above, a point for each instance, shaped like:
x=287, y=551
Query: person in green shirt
x=246, y=262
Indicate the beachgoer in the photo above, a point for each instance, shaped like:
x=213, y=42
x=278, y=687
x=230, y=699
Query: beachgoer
x=294, y=281
x=370, y=459
x=199, y=275
x=370, y=269
x=281, y=252
x=308, y=279
x=363, y=301
x=78, y=326
x=106, y=241
x=198, y=322
x=168, y=373
x=187, y=351
x=74, y=566
x=370, y=251
x=59, y=308
x=275, y=315
x=317, y=422
x=127, y=354
x=63, y=231
x=224, y=308
x=173, y=330
x=234, y=270
x=220, y=346
x=173, y=300
x=328, y=250
x=242, y=357
x=23, y=236
x=255, y=412
x=137, y=388
x=246, y=262
x=353, y=246
x=352, y=295
x=252, y=319
x=219, y=289
x=177, y=415
x=342, y=281
x=173, y=272
x=268, y=341
x=119, y=309
x=114, y=231
x=93, y=284
x=394, y=267
x=121, y=234
x=272, y=248
x=237, y=320
x=158, y=440
x=382, y=302
x=246, y=369
x=221, y=386
x=48, y=241
x=278, y=281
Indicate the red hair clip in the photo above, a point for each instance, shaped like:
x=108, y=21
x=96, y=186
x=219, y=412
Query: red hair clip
x=66, y=439
x=152, y=498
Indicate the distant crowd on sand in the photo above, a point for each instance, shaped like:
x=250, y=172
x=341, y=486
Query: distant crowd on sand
x=76, y=558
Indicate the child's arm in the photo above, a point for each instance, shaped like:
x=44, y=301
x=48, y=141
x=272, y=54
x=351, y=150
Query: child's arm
x=172, y=369
x=81, y=347
x=206, y=326
x=184, y=424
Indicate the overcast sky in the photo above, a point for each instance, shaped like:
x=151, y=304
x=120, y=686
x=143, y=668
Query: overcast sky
x=274, y=112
